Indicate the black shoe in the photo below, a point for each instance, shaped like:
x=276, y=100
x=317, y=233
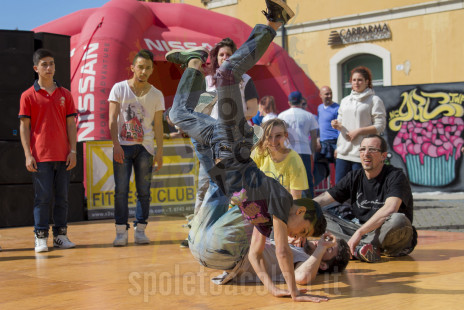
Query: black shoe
x=184, y=243
x=278, y=11
x=182, y=57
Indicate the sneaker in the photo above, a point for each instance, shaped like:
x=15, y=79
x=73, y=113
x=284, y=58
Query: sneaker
x=63, y=242
x=184, y=243
x=41, y=244
x=278, y=11
x=206, y=102
x=182, y=57
x=368, y=253
x=121, y=235
x=139, y=234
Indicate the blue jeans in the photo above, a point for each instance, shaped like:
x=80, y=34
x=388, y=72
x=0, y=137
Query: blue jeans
x=229, y=135
x=219, y=237
x=205, y=156
x=51, y=181
x=306, y=158
x=138, y=157
x=342, y=167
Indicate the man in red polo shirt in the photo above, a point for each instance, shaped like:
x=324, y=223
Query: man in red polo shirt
x=48, y=135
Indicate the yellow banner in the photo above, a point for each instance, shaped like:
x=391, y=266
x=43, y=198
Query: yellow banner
x=173, y=187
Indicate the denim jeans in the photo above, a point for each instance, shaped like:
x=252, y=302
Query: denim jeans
x=219, y=237
x=138, y=157
x=395, y=237
x=229, y=135
x=306, y=158
x=51, y=182
x=205, y=156
x=342, y=167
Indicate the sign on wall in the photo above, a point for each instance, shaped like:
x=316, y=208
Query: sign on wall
x=173, y=188
x=359, y=34
x=425, y=130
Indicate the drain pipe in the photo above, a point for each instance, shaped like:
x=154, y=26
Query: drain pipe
x=284, y=36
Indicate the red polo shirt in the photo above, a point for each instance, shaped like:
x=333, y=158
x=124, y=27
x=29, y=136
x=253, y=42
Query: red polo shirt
x=48, y=114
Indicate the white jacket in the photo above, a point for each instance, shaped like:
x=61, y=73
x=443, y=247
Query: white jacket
x=356, y=111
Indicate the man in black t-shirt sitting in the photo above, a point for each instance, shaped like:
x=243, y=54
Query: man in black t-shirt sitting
x=381, y=206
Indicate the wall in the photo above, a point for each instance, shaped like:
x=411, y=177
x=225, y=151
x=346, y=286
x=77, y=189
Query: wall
x=427, y=33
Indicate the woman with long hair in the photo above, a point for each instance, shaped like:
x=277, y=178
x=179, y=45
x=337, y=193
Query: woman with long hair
x=360, y=113
x=275, y=159
x=220, y=53
x=267, y=108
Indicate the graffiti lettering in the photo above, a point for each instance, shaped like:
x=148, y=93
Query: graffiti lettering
x=418, y=107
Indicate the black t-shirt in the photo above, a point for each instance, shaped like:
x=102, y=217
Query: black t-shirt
x=265, y=196
x=250, y=90
x=368, y=196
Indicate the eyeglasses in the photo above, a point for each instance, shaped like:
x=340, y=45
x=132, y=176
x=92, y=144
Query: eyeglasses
x=369, y=150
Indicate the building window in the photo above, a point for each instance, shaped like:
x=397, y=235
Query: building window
x=350, y=53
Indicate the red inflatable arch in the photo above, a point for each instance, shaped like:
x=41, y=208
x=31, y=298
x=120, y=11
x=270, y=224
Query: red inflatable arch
x=104, y=41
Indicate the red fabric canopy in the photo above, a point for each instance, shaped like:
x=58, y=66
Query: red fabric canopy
x=105, y=40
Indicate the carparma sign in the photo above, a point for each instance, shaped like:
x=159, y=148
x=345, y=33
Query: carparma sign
x=359, y=34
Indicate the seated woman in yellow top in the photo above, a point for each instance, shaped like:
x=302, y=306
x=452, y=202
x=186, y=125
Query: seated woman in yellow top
x=278, y=161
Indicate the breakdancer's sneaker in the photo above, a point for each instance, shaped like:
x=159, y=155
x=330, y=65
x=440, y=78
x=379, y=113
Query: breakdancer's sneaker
x=206, y=102
x=368, y=253
x=182, y=57
x=278, y=11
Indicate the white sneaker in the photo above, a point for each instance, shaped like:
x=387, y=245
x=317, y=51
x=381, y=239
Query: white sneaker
x=139, y=234
x=41, y=245
x=62, y=242
x=121, y=235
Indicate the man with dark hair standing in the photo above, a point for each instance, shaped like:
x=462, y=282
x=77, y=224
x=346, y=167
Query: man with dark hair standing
x=48, y=135
x=136, y=121
x=381, y=206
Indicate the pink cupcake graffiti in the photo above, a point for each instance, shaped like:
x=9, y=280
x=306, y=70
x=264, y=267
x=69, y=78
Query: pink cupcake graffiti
x=430, y=149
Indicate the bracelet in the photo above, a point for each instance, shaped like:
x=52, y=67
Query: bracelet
x=72, y=151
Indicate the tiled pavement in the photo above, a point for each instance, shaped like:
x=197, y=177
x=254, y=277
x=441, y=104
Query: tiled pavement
x=439, y=211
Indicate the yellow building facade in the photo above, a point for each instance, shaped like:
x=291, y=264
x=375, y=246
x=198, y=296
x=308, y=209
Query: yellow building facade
x=403, y=42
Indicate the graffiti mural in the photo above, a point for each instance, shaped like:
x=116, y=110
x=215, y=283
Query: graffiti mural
x=425, y=128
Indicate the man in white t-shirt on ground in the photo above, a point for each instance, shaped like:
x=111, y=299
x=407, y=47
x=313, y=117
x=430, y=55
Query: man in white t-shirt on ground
x=301, y=126
x=136, y=121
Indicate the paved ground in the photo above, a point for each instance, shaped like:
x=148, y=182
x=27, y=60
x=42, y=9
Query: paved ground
x=439, y=211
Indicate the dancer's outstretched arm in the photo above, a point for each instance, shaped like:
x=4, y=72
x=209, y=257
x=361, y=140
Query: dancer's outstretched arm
x=285, y=259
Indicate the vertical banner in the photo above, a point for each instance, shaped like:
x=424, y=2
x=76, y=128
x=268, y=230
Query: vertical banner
x=425, y=128
x=173, y=188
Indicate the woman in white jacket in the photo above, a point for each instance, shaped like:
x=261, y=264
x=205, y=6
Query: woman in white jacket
x=360, y=113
